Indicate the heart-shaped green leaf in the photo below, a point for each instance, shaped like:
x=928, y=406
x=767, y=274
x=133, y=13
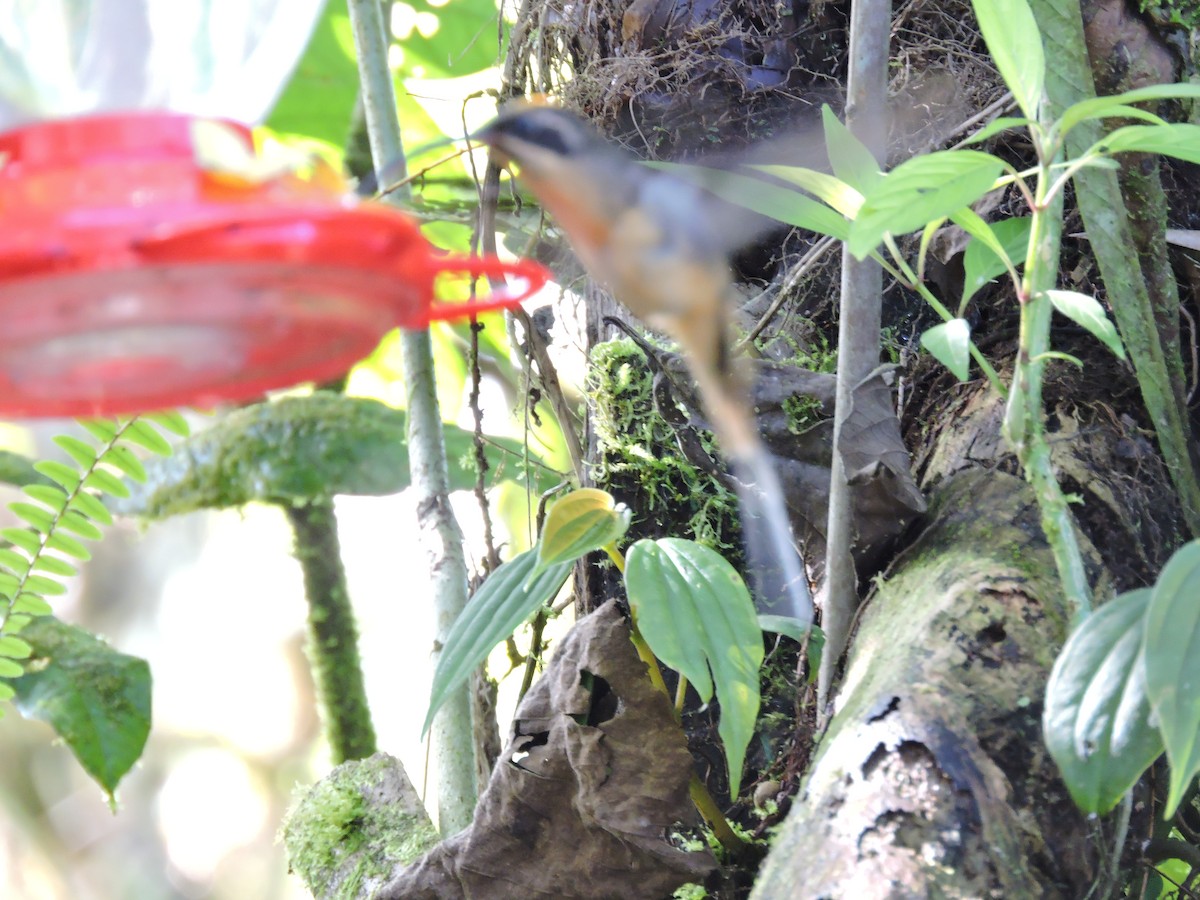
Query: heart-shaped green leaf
x=1087, y=311
x=1171, y=651
x=695, y=613
x=950, y=344
x=1097, y=716
x=96, y=699
x=582, y=521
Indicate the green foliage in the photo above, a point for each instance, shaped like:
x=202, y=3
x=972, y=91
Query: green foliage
x=583, y=521
x=950, y=344
x=638, y=446
x=1097, y=714
x=1015, y=43
x=1124, y=689
x=63, y=508
x=96, y=699
x=689, y=605
x=335, y=445
x=342, y=836
x=509, y=596
x=697, y=616
x=1171, y=655
x=1087, y=312
x=986, y=259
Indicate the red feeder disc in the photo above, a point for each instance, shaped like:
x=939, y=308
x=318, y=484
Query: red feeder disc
x=134, y=278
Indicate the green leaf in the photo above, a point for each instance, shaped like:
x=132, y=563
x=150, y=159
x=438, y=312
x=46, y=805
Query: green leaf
x=87, y=505
x=10, y=668
x=66, y=544
x=833, y=192
x=1118, y=104
x=582, y=521
x=31, y=605
x=984, y=258
x=1097, y=716
x=55, y=566
x=13, y=560
x=78, y=524
x=508, y=597
x=19, y=470
x=14, y=647
x=29, y=541
x=994, y=127
x=96, y=699
x=103, y=430
x=171, y=421
x=106, y=482
x=319, y=98
x=50, y=494
x=928, y=187
x=301, y=450
x=696, y=614
x=790, y=207
x=790, y=626
x=146, y=436
x=82, y=452
x=58, y=472
x=124, y=459
x=6, y=693
x=1087, y=312
x=1180, y=140
x=37, y=516
x=849, y=157
x=1171, y=651
x=46, y=587
x=950, y=344
x=1015, y=44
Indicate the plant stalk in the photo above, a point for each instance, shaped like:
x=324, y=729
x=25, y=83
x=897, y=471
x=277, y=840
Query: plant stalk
x=1023, y=427
x=451, y=732
x=332, y=634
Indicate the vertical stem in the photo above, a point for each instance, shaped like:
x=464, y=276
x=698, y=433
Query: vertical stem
x=451, y=732
x=332, y=634
x=858, y=328
x=1023, y=421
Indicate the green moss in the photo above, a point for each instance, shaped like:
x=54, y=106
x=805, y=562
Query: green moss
x=336, y=840
x=640, y=457
x=1181, y=13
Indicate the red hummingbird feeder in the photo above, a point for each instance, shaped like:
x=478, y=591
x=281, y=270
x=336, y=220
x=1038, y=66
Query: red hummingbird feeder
x=135, y=275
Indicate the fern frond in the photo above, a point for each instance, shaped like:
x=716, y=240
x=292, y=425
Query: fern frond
x=61, y=515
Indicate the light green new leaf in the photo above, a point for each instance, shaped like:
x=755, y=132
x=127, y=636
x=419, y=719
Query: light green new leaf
x=920, y=190
x=1015, y=44
x=1118, y=104
x=770, y=200
x=1171, y=651
x=1097, y=717
x=1180, y=140
x=696, y=614
x=1087, y=312
x=508, y=597
x=582, y=521
x=834, y=192
x=950, y=344
x=96, y=699
x=849, y=157
x=989, y=250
